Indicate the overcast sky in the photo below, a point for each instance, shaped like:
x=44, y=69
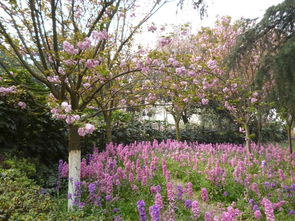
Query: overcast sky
x=169, y=14
x=233, y=8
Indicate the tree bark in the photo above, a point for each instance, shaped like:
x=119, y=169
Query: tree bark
x=177, y=129
x=109, y=127
x=259, y=129
x=74, y=166
x=185, y=118
x=247, y=138
x=289, y=130
x=178, y=137
x=107, y=116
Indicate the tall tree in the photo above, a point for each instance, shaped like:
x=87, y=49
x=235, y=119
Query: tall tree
x=276, y=31
x=233, y=88
x=65, y=46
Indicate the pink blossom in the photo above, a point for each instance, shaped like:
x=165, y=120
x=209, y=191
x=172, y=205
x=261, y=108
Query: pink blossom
x=152, y=28
x=22, y=105
x=228, y=106
x=55, y=111
x=165, y=41
x=206, y=85
x=196, y=59
x=123, y=64
x=101, y=35
x=156, y=62
x=78, y=12
x=61, y=71
x=212, y=64
x=84, y=44
x=67, y=107
x=60, y=116
x=91, y=63
x=148, y=61
x=255, y=94
x=253, y=99
x=180, y=70
x=185, y=100
x=242, y=130
x=86, y=85
x=89, y=128
x=72, y=118
x=68, y=47
x=69, y=62
x=81, y=131
x=204, y=101
x=53, y=79
x=225, y=90
x=171, y=60
x=234, y=85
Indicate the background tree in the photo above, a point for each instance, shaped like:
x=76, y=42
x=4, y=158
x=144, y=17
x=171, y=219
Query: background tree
x=276, y=32
x=233, y=88
x=178, y=81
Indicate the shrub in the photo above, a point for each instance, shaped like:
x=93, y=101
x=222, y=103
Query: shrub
x=20, y=197
x=37, y=134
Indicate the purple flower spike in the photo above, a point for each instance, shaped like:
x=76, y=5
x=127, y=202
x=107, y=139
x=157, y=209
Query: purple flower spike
x=155, y=213
x=141, y=210
x=188, y=204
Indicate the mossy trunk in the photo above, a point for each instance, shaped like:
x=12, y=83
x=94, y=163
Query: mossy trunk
x=109, y=128
x=289, y=130
x=259, y=129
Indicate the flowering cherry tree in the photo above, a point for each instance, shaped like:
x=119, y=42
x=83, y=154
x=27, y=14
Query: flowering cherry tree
x=126, y=92
x=71, y=47
x=234, y=88
x=178, y=80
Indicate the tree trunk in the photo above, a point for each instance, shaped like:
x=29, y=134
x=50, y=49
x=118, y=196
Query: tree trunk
x=289, y=129
x=109, y=127
x=178, y=137
x=74, y=166
x=107, y=116
x=177, y=129
x=185, y=118
x=248, y=139
x=259, y=129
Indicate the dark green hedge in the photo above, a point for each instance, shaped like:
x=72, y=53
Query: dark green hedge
x=33, y=133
